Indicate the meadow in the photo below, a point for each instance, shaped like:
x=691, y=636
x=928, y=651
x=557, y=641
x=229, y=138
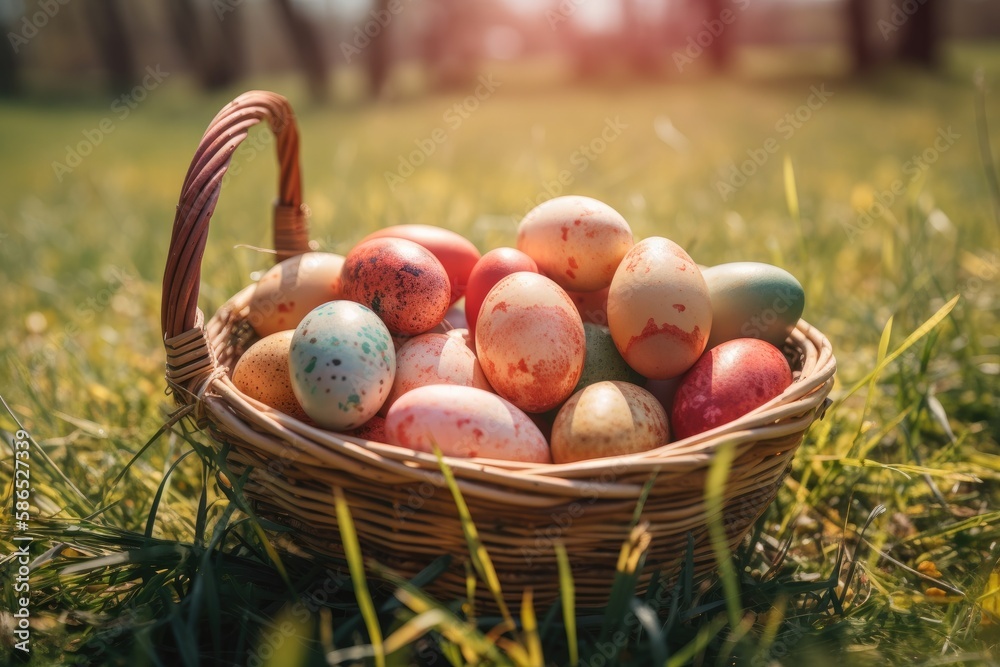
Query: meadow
x=878, y=194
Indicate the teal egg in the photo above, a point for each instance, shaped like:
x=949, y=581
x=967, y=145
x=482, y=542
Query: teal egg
x=753, y=300
x=342, y=364
x=603, y=360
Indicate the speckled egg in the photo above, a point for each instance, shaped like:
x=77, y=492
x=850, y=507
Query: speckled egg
x=592, y=306
x=576, y=241
x=401, y=281
x=290, y=289
x=434, y=358
x=753, y=300
x=608, y=419
x=464, y=422
x=603, y=361
x=727, y=382
x=342, y=364
x=456, y=253
x=494, y=265
x=659, y=310
x=530, y=341
x=262, y=373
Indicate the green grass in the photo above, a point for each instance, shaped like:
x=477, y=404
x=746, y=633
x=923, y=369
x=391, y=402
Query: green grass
x=185, y=576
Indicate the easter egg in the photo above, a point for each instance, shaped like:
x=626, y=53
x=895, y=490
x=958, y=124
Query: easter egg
x=530, y=341
x=290, y=289
x=729, y=381
x=487, y=272
x=608, y=419
x=342, y=364
x=464, y=422
x=753, y=300
x=659, y=311
x=602, y=360
x=434, y=358
x=592, y=306
x=262, y=373
x=576, y=241
x=401, y=281
x=456, y=253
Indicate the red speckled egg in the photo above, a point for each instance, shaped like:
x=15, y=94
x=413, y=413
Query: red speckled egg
x=576, y=241
x=290, y=289
x=726, y=383
x=659, y=309
x=434, y=358
x=456, y=253
x=401, y=281
x=531, y=341
x=487, y=272
x=465, y=422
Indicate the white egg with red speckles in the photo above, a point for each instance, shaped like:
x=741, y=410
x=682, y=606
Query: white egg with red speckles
x=530, y=341
x=342, y=364
x=576, y=241
x=434, y=358
x=464, y=422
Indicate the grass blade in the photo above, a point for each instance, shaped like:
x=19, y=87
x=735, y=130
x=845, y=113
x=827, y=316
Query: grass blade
x=567, y=593
x=715, y=486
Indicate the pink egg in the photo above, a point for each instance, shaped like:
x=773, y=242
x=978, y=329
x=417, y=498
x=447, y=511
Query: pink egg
x=401, y=281
x=531, y=341
x=576, y=241
x=727, y=382
x=434, y=358
x=464, y=422
x=487, y=272
x=456, y=253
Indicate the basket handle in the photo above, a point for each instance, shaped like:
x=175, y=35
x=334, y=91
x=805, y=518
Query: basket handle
x=189, y=356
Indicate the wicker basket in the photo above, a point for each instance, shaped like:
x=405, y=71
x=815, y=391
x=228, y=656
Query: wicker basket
x=404, y=514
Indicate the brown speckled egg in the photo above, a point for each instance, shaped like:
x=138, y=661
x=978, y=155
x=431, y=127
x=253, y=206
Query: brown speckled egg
x=455, y=252
x=464, y=422
x=576, y=241
x=608, y=419
x=290, y=289
x=728, y=381
x=401, y=281
x=530, y=341
x=262, y=373
x=434, y=358
x=659, y=309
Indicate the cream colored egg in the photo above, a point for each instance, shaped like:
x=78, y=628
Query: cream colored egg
x=608, y=419
x=262, y=373
x=290, y=289
x=576, y=241
x=659, y=309
x=530, y=341
x=464, y=422
x=434, y=358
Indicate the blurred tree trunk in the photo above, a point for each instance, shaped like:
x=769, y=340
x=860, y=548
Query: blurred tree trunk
x=9, y=77
x=307, y=48
x=114, y=44
x=720, y=50
x=921, y=34
x=215, y=56
x=379, y=56
x=857, y=29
